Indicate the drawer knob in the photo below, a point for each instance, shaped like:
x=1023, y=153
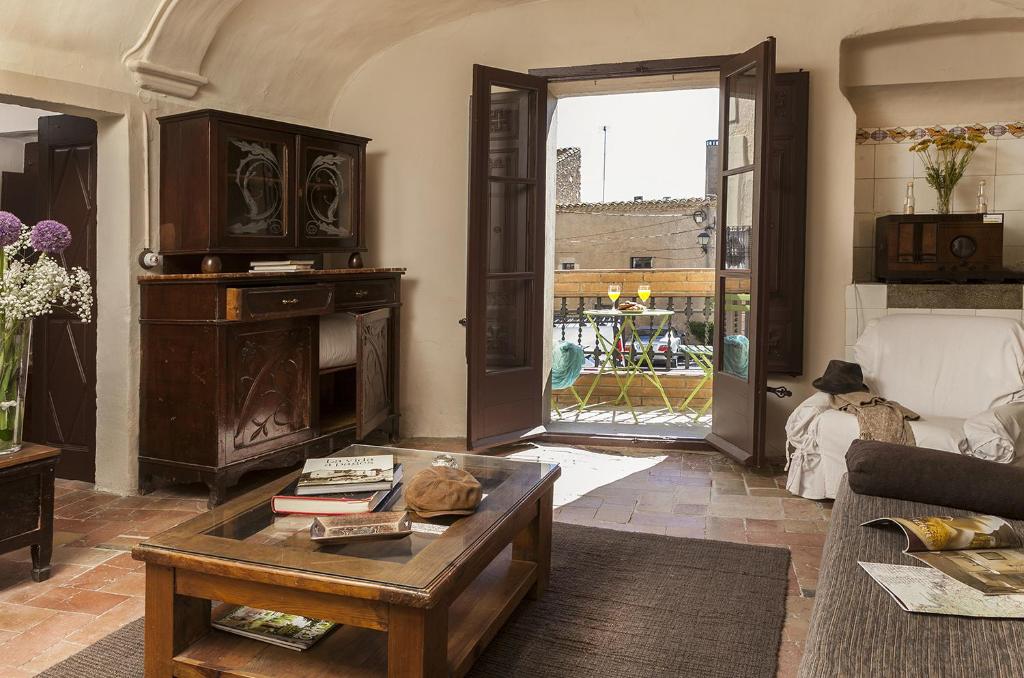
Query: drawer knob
x=359, y=294
x=288, y=302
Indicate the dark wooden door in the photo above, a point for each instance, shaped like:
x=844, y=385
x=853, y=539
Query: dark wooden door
x=740, y=378
x=787, y=210
x=504, y=306
x=62, y=384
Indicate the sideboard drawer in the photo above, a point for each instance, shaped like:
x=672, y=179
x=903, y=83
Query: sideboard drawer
x=268, y=303
x=364, y=292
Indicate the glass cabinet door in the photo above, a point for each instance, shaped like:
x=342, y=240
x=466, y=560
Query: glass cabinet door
x=255, y=187
x=329, y=195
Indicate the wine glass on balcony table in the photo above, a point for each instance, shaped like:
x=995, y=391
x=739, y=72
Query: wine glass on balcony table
x=644, y=292
x=614, y=291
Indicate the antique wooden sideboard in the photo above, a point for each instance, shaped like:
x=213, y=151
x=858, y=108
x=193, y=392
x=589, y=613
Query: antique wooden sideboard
x=231, y=376
x=244, y=370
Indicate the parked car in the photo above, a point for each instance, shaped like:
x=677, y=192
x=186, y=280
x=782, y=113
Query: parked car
x=665, y=349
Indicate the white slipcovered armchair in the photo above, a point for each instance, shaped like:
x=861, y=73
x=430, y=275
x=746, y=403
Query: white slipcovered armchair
x=963, y=374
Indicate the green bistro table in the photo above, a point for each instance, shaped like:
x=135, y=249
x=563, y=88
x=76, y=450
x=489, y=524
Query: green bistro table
x=631, y=367
x=702, y=358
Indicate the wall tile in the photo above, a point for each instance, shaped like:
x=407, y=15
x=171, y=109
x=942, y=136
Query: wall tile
x=1009, y=156
x=863, y=195
x=984, y=161
x=1009, y=193
x=893, y=161
x=924, y=197
x=965, y=194
x=864, y=162
x=1000, y=313
x=1013, y=229
x=890, y=194
x=867, y=296
x=1013, y=257
x=908, y=311
x=864, y=230
x=864, y=264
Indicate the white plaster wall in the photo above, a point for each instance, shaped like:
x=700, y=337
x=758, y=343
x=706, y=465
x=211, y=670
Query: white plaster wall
x=412, y=100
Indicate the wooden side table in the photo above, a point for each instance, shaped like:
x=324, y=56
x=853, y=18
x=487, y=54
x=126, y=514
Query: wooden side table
x=26, y=503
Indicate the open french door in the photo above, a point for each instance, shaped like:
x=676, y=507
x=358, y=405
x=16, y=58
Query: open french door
x=741, y=304
x=505, y=281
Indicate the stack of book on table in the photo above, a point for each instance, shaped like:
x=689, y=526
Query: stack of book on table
x=284, y=266
x=340, y=485
x=277, y=628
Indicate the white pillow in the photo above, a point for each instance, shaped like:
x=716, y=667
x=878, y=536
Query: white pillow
x=996, y=434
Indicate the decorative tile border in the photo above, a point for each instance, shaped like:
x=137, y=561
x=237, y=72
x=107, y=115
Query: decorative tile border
x=881, y=135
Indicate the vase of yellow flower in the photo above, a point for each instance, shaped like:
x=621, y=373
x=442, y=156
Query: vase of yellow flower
x=945, y=156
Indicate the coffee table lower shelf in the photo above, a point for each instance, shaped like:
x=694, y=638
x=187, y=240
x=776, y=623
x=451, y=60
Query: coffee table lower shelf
x=473, y=620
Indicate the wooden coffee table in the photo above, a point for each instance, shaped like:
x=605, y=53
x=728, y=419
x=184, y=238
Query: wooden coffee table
x=424, y=605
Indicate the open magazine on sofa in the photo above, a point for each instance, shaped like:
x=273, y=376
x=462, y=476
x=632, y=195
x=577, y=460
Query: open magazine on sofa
x=983, y=552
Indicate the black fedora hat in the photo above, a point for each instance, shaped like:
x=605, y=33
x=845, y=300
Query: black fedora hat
x=841, y=377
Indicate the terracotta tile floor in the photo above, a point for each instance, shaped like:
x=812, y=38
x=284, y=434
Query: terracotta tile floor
x=96, y=587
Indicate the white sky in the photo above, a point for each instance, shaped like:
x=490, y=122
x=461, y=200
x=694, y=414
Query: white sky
x=655, y=141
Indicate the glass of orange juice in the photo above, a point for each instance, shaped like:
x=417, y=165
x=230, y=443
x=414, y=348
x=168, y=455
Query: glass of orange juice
x=614, y=291
x=644, y=292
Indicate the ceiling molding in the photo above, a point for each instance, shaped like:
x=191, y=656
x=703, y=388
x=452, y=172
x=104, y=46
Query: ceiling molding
x=169, y=54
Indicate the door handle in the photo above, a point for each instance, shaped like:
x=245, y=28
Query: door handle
x=288, y=302
x=462, y=321
x=780, y=391
x=359, y=294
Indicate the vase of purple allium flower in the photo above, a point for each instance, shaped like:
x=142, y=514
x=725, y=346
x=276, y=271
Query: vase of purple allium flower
x=32, y=283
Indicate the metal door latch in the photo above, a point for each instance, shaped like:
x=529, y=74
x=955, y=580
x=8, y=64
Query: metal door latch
x=780, y=391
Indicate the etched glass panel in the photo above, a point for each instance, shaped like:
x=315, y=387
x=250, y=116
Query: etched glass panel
x=255, y=190
x=742, y=104
x=509, y=227
x=739, y=219
x=511, y=133
x=734, y=335
x=507, y=319
x=329, y=192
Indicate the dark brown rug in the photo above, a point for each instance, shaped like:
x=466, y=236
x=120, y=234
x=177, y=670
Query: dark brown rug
x=618, y=604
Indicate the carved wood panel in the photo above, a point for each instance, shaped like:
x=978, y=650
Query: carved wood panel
x=373, y=370
x=271, y=386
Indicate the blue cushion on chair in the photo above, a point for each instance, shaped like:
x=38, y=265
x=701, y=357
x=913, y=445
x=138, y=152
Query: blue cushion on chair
x=566, y=364
x=736, y=355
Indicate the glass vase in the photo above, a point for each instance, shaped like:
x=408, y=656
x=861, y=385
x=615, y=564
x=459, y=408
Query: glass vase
x=15, y=349
x=943, y=197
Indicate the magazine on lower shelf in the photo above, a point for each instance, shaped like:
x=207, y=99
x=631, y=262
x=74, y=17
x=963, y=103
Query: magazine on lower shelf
x=928, y=591
x=277, y=628
x=983, y=552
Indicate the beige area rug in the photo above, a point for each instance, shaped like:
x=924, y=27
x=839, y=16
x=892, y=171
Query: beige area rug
x=618, y=604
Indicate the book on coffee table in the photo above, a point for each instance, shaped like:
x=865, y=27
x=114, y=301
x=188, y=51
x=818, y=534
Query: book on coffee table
x=277, y=628
x=334, y=504
x=332, y=475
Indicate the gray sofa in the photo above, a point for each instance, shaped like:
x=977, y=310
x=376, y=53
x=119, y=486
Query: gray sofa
x=857, y=629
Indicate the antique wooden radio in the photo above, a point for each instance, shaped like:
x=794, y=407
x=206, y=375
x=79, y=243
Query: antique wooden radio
x=940, y=247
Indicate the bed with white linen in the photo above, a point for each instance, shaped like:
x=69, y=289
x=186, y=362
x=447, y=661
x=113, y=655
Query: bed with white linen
x=337, y=340
x=963, y=374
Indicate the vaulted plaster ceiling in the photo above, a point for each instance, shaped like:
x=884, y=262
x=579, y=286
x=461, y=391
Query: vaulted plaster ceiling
x=292, y=57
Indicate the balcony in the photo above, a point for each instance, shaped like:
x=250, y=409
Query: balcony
x=685, y=340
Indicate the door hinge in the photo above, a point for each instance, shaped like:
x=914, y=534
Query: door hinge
x=780, y=391
x=462, y=321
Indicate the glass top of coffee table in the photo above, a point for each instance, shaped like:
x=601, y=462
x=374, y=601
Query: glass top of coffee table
x=245, y=530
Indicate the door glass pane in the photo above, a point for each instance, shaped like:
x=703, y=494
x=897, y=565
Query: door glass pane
x=511, y=138
x=740, y=132
x=507, y=320
x=739, y=219
x=255, y=190
x=509, y=227
x=734, y=334
x=328, y=192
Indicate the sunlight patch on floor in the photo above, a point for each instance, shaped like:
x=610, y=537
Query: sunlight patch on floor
x=584, y=471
